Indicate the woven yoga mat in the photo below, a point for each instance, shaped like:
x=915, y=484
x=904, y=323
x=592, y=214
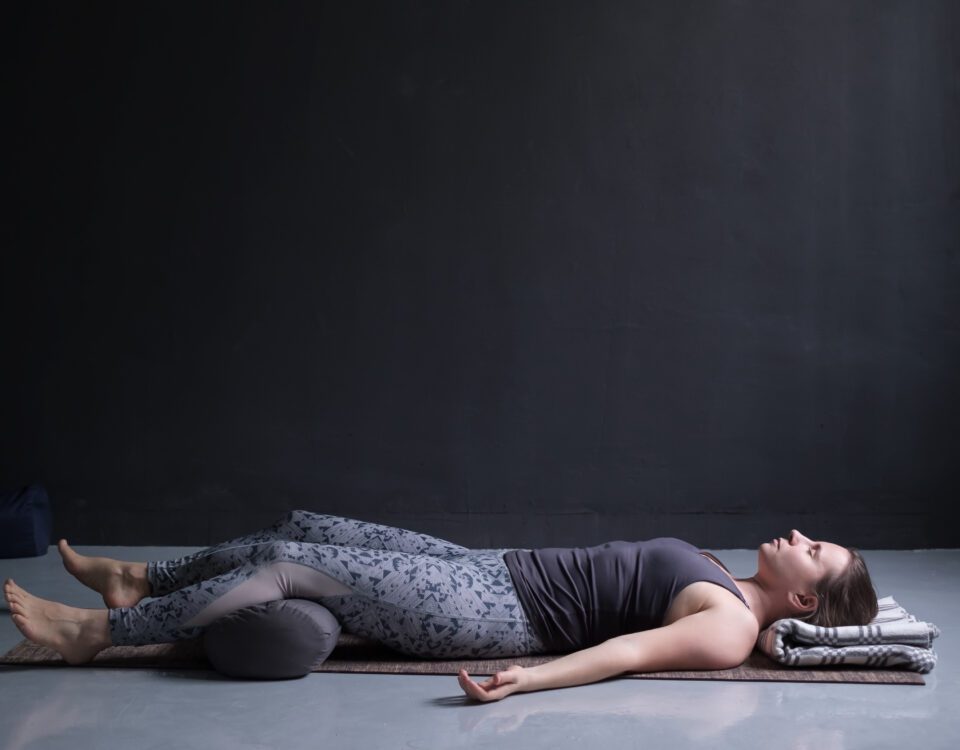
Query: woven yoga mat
x=355, y=654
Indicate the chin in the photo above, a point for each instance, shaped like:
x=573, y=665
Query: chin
x=766, y=550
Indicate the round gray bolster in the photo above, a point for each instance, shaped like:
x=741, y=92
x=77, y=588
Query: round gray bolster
x=273, y=641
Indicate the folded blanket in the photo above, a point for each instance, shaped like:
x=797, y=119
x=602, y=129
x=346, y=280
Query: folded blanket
x=893, y=638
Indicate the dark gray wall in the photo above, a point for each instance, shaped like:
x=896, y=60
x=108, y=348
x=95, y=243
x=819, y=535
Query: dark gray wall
x=515, y=274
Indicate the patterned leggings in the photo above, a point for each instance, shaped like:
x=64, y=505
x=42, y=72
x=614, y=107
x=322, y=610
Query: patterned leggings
x=415, y=593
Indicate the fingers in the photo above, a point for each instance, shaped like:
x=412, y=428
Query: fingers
x=472, y=688
x=491, y=689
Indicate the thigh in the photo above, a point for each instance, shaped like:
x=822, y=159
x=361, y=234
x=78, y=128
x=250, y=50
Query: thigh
x=463, y=606
x=322, y=528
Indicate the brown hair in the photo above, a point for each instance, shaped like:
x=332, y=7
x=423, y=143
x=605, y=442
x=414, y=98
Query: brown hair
x=847, y=598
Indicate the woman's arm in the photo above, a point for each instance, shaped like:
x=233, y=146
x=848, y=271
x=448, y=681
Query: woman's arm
x=715, y=638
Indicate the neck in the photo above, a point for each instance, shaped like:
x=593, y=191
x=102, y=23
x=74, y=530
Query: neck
x=763, y=603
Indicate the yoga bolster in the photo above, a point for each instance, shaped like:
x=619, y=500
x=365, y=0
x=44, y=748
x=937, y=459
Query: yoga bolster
x=277, y=640
x=25, y=522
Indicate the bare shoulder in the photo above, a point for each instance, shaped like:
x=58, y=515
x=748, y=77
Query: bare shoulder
x=738, y=616
x=728, y=624
x=714, y=634
x=724, y=606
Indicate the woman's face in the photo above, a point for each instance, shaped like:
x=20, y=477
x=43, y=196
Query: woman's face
x=797, y=563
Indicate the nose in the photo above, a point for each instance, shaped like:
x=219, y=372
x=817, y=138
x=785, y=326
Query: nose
x=795, y=536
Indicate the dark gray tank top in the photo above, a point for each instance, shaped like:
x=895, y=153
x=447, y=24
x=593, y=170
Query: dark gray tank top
x=576, y=597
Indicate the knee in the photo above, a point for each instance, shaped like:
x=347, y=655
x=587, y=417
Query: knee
x=291, y=517
x=280, y=550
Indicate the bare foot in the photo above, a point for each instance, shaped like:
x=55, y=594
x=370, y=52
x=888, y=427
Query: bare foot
x=76, y=634
x=122, y=584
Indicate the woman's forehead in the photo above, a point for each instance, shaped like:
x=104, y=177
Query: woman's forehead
x=839, y=554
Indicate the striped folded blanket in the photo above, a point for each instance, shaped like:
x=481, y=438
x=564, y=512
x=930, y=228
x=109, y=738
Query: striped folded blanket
x=894, y=638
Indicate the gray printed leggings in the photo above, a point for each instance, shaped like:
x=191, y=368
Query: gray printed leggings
x=415, y=593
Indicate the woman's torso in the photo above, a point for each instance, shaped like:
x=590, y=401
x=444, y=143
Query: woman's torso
x=579, y=596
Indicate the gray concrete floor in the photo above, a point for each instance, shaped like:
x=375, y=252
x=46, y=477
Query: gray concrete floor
x=82, y=707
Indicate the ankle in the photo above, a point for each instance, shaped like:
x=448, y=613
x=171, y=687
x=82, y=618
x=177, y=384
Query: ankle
x=96, y=629
x=138, y=574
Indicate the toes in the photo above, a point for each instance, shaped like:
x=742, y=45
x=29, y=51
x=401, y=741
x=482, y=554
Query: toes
x=12, y=591
x=16, y=592
x=21, y=622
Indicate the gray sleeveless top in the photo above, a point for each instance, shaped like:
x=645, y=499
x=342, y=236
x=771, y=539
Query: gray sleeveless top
x=576, y=597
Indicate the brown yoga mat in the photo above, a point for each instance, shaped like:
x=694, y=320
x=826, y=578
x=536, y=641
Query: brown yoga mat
x=354, y=654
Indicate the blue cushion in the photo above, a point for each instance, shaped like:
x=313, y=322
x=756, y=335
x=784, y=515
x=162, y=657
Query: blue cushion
x=277, y=640
x=25, y=522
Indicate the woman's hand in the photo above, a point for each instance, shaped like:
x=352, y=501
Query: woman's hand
x=500, y=685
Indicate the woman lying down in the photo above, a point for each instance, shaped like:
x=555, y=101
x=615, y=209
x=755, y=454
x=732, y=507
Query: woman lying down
x=654, y=605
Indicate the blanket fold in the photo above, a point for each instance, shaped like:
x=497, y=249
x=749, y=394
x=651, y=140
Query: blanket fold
x=894, y=638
